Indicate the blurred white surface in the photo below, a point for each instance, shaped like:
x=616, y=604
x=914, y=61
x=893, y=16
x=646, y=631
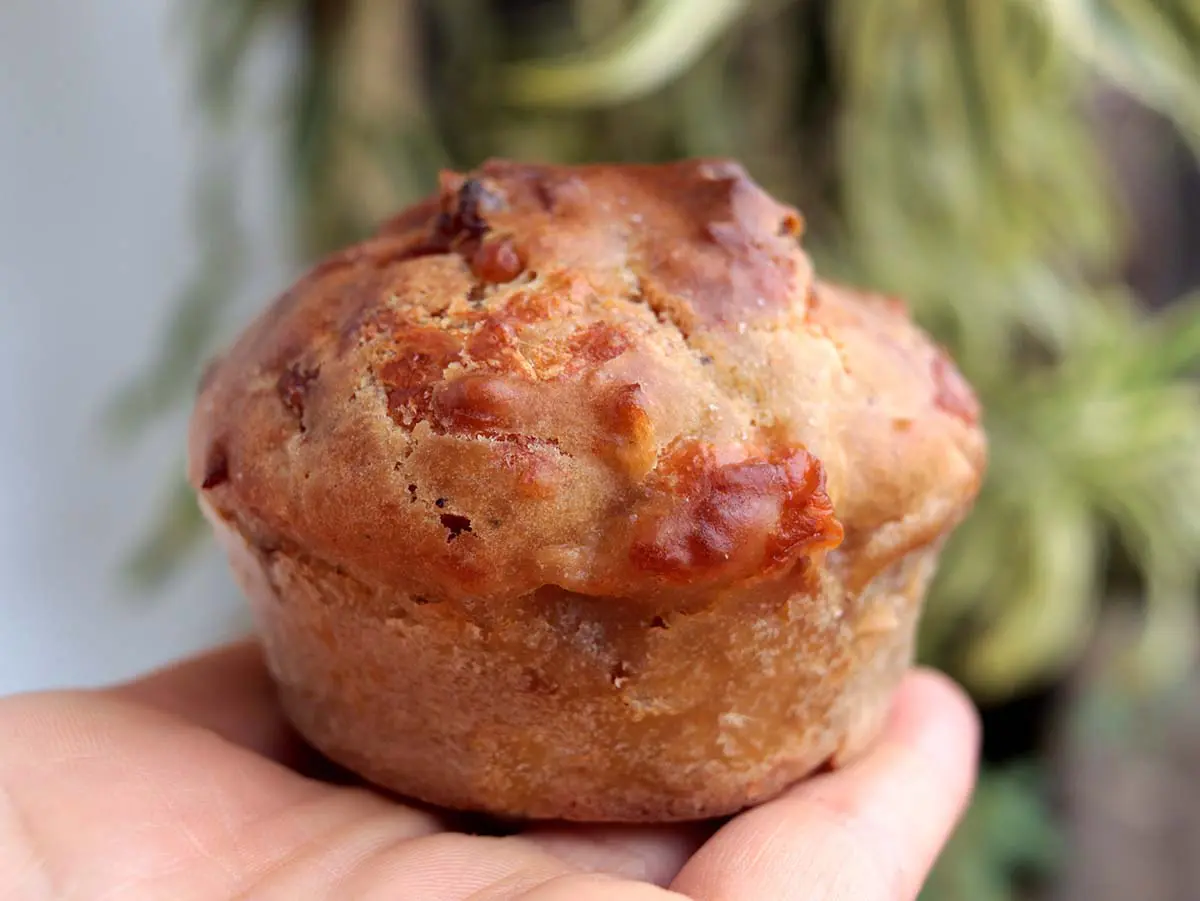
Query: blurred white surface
x=97, y=147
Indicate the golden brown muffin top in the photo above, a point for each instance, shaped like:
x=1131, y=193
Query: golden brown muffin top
x=618, y=380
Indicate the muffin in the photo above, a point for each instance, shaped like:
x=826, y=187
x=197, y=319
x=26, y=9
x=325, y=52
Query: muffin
x=573, y=494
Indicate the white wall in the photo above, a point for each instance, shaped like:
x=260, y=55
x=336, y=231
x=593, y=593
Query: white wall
x=97, y=145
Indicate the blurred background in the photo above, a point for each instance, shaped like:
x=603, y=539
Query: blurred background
x=1023, y=171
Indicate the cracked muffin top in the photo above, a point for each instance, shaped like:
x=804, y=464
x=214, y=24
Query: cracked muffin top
x=618, y=380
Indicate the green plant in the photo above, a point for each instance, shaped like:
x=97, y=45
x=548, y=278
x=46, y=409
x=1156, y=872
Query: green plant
x=1006, y=837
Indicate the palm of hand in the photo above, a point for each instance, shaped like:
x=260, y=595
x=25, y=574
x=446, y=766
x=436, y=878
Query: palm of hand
x=178, y=787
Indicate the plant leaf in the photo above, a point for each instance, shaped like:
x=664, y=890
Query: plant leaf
x=1050, y=619
x=176, y=531
x=194, y=324
x=1150, y=48
x=658, y=43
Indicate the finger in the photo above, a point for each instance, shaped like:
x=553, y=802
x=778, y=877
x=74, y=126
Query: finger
x=227, y=691
x=115, y=798
x=653, y=854
x=869, y=832
x=453, y=867
x=107, y=794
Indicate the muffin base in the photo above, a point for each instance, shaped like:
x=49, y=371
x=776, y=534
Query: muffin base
x=578, y=708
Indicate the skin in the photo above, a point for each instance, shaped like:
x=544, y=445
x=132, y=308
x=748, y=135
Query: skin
x=187, y=784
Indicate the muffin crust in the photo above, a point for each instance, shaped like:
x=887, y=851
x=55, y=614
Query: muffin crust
x=573, y=493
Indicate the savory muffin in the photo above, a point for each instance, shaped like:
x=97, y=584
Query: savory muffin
x=573, y=494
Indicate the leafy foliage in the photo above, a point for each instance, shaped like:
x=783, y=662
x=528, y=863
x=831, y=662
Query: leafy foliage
x=973, y=187
x=177, y=527
x=1006, y=838
x=194, y=324
x=1148, y=48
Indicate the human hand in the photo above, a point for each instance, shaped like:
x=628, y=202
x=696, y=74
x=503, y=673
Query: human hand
x=187, y=784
